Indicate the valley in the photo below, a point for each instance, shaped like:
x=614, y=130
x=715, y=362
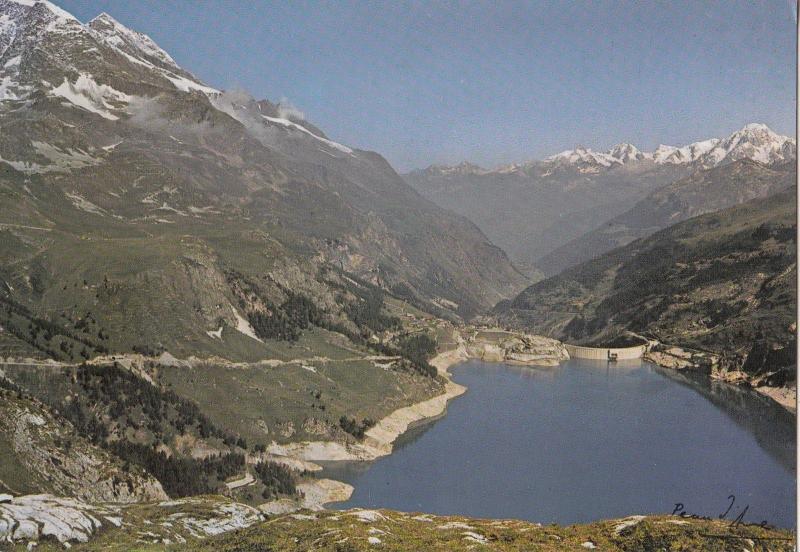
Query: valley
x=217, y=321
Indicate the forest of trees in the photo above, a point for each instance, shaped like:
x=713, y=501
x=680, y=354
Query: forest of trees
x=181, y=476
x=418, y=348
x=287, y=321
x=53, y=339
x=367, y=312
x=277, y=479
x=112, y=399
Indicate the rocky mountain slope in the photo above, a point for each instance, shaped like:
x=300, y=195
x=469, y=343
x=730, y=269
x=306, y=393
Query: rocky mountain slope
x=165, y=246
x=723, y=282
x=532, y=209
x=43, y=452
x=134, y=192
x=704, y=191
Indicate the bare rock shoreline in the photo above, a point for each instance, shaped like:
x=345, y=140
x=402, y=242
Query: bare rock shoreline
x=678, y=358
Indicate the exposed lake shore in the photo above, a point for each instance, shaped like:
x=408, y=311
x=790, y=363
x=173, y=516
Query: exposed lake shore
x=493, y=345
x=490, y=345
x=679, y=358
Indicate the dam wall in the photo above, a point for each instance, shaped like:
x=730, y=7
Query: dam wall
x=600, y=353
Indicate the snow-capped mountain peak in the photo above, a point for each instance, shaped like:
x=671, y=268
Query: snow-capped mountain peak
x=754, y=141
x=626, y=152
x=584, y=156
x=46, y=5
x=44, y=47
x=132, y=42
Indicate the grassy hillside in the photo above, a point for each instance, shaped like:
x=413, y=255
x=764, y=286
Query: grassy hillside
x=724, y=282
x=362, y=530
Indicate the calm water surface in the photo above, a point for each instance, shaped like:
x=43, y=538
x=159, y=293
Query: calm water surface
x=585, y=441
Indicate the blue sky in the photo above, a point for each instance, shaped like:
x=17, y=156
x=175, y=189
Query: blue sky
x=491, y=82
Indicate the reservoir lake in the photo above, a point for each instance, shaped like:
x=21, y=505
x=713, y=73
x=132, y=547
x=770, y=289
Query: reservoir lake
x=588, y=440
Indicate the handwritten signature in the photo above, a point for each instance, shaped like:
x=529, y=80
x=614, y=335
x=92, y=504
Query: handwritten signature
x=738, y=521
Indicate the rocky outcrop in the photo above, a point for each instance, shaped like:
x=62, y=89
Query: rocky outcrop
x=31, y=518
x=65, y=463
x=28, y=519
x=730, y=370
x=678, y=358
x=497, y=345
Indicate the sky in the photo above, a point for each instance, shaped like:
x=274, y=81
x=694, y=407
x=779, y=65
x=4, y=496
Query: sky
x=489, y=82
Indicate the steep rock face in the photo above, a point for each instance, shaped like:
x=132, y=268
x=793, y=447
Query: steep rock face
x=722, y=282
x=60, y=461
x=701, y=192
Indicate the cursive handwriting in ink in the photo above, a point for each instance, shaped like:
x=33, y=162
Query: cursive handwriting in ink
x=738, y=521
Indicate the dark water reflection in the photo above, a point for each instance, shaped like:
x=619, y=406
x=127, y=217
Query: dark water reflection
x=586, y=441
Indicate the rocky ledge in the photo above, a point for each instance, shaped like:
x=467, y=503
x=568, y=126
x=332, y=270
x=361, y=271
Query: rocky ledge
x=36, y=520
x=717, y=368
x=492, y=344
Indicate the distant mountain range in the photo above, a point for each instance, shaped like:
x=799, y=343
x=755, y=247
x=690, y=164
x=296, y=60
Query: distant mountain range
x=703, y=191
x=532, y=209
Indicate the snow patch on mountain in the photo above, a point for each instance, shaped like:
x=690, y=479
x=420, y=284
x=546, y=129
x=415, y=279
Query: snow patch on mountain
x=84, y=204
x=91, y=96
x=10, y=89
x=243, y=325
x=289, y=124
x=187, y=85
x=60, y=159
x=64, y=159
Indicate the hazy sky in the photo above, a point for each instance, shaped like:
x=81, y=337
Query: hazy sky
x=491, y=82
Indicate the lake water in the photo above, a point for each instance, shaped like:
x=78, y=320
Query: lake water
x=585, y=441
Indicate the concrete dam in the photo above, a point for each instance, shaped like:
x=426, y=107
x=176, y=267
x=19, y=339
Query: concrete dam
x=606, y=353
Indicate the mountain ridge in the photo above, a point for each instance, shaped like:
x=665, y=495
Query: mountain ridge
x=703, y=191
x=108, y=129
x=723, y=282
x=754, y=141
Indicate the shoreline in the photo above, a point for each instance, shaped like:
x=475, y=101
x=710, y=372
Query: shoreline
x=677, y=358
x=379, y=440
